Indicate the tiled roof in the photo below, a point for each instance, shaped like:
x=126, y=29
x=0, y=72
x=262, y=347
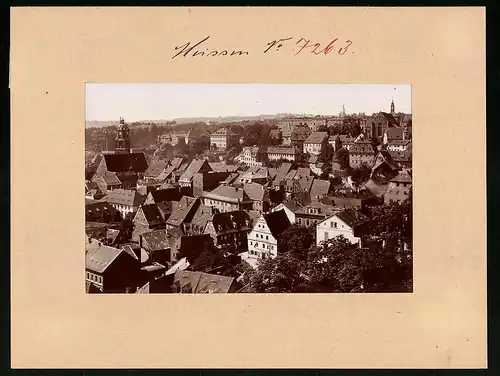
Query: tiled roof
x=402, y=177
x=399, y=142
x=95, y=210
x=165, y=174
x=156, y=240
x=202, y=216
x=99, y=260
x=353, y=218
x=135, y=162
x=303, y=171
x=389, y=118
x=306, y=183
x=300, y=134
x=319, y=188
x=110, y=179
x=176, y=162
x=316, y=138
x=152, y=214
x=277, y=222
x=155, y=168
x=231, y=221
x=224, y=132
x=228, y=192
x=181, y=210
x=222, y=167
x=161, y=195
x=256, y=192
x=194, y=167
x=199, y=282
x=361, y=148
x=124, y=197
x=394, y=133
x=283, y=150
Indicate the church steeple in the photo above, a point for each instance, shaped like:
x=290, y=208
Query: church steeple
x=122, y=140
x=393, y=111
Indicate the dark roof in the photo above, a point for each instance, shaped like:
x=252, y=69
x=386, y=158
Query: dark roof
x=97, y=208
x=305, y=183
x=353, y=218
x=152, y=214
x=231, y=221
x=156, y=240
x=300, y=134
x=277, y=222
x=112, y=235
x=389, y=118
x=282, y=150
x=135, y=162
x=90, y=288
x=124, y=197
x=169, y=194
x=201, y=216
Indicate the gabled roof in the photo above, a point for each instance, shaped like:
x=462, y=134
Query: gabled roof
x=151, y=214
x=402, y=177
x=237, y=220
x=124, y=197
x=224, y=132
x=390, y=119
x=181, y=210
x=394, y=133
x=277, y=222
x=316, y=138
x=110, y=179
x=256, y=192
x=228, y=193
x=169, y=194
x=135, y=162
x=194, y=167
x=176, y=162
x=283, y=169
x=199, y=282
x=283, y=150
x=303, y=171
x=97, y=208
x=291, y=174
x=156, y=240
x=351, y=217
x=306, y=183
x=155, y=168
x=99, y=260
x=319, y=188
x=361, y=148
x=222, y=167
x=165, y=174
x=202, y=216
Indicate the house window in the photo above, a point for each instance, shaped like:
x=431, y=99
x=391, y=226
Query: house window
x=267, y=237
x=88, y=275
x=331, y=224
x=335, y=224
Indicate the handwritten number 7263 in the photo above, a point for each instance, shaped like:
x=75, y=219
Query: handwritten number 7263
x=305, y=45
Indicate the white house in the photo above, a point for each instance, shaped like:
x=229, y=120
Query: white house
x=263, y=239
x=249, y=156
x=313, y=143
x=351, y=224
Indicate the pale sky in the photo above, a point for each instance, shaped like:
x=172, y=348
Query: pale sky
x=157, y=101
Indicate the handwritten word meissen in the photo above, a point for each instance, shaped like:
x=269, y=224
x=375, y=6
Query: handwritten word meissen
x=301, y=46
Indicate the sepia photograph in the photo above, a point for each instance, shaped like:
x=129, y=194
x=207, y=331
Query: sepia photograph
x=248, y=188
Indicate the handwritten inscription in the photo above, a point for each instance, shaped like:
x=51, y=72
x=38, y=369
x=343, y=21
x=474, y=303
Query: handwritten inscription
x=295, y=46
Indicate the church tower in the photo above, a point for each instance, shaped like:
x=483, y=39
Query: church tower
x=393, y=110
x=122, y=140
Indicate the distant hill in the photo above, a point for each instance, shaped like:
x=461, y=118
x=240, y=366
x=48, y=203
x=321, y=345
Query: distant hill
x=221, y=119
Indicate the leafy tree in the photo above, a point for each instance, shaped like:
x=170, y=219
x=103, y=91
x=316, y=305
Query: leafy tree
x=342, y=156
x=127, y=225
x=296, y=240
x=360, y=174
x=283, y=274
x=326, y=153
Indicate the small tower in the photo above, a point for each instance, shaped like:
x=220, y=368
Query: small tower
x=406, y=133
x=393, y=110
x=122, y=140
